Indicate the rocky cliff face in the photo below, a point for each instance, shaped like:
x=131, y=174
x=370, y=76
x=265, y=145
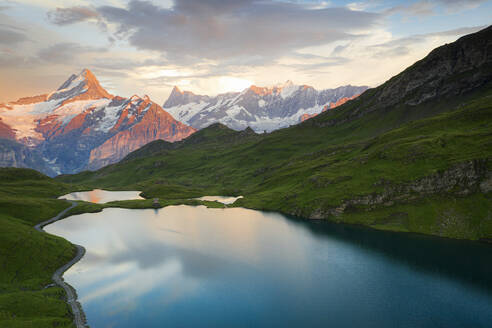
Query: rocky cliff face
x=73, y=126
x=450, y=70
x=156, y=124
x=261, y=108
x=13, y=154
x=460, y=180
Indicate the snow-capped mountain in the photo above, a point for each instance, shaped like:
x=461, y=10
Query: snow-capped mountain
x=81, y=125
x=261, y=108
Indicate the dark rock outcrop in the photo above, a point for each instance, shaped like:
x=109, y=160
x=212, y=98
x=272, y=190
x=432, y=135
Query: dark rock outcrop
x=450, y=70
x=460, y=180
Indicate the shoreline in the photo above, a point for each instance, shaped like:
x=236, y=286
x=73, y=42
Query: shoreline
x=77, y=310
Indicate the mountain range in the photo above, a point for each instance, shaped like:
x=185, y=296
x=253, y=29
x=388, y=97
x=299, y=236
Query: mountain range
x=413, y=154
x=260, y=108
x=80, y=125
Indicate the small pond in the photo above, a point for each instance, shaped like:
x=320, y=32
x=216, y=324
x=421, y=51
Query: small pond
x=102, y=196
x=221, y=199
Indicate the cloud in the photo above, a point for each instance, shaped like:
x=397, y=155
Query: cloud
x=10, y=35
x=461, y=4
x=402, y=46
x=65, y=52
x=193, y=30
x=71, y=15
x=428, y=7
x=419, y=8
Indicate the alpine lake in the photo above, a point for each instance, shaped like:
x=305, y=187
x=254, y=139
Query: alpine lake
x=192, y=266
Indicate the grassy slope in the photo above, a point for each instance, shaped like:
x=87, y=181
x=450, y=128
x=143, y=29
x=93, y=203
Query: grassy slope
x=308, y=168
x=305, y=169
x=28, y=258
x=315, y=167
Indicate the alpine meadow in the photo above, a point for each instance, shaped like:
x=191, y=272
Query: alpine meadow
x=355, y=198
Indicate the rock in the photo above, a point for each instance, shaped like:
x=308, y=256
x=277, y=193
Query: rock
x=261, y=108
x=82, y=126
x=461, y=179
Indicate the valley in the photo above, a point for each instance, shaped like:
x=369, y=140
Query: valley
x=390, y=162
x=368, y=199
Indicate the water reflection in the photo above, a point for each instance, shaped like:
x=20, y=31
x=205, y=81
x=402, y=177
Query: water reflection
x=102, y=196
x=221, y=199
x=192, y=266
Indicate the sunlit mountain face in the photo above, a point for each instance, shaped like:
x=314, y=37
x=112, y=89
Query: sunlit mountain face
x=188, y=185
x=235, y=52
x=80, y=125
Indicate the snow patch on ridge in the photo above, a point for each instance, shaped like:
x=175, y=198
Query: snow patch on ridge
x=24, y=118
x=111, y=115
x=288, y=90
x=185, y=112
x=77, y=81
x=70, y=110
x=263, y=123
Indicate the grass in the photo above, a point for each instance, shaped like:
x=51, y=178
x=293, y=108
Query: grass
x=28, y=258
x=301, y=171
x=308, y=169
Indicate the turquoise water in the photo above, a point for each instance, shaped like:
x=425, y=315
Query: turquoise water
x=184, y=266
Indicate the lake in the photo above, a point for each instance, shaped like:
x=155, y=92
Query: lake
x=102, y=196
x=186, y=266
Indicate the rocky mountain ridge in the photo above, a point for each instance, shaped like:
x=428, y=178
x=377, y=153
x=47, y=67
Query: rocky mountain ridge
x=261, y=108
x=448, y=71
x=80, y=125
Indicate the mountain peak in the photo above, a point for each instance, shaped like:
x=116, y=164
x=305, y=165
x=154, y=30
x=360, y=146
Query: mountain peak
x=178, y=97
x=176, y=90
x=88, y=75
x=80, y=87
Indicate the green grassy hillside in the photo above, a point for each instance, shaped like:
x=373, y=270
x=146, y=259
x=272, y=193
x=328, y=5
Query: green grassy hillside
x=28, y=258
x=411, y=155
x=311, y=171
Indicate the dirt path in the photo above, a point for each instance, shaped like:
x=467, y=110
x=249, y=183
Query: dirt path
x=78, y=312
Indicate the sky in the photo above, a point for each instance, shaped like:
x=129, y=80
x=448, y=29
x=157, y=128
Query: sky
x=215, y=46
